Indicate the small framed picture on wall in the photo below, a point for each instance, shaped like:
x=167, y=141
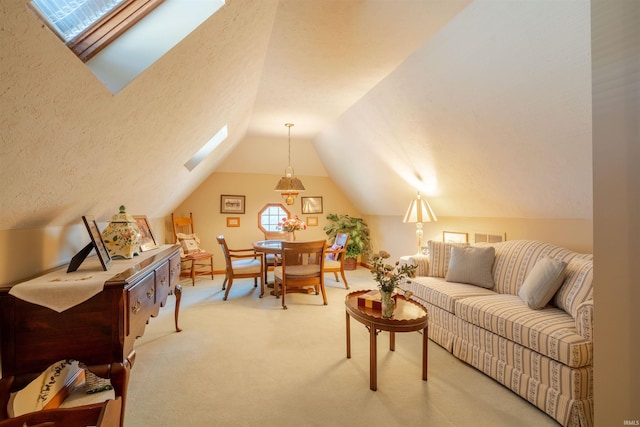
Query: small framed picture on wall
x=455, y=237
x=312, y=221
x=231, y=204
x=311, y=205
x=233, y=221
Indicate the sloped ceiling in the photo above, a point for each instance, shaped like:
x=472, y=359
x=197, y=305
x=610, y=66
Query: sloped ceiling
x=495, y=122
x=484, y=107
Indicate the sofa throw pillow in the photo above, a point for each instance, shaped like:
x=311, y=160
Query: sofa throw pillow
x=471, y=265
x=189, y=243
x=439, y=256
x=333, y=247
x=542, y=282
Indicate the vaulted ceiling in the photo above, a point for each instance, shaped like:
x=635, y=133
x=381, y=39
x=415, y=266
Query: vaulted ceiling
x=483, y=106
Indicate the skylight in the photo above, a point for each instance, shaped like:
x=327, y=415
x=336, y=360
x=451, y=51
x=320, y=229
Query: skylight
x=207, y=149
x=68, y=18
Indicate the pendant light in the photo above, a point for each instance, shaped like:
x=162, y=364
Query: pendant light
x=289, y=186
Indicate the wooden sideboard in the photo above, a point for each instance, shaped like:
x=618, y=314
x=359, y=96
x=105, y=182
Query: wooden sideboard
x=100, y=331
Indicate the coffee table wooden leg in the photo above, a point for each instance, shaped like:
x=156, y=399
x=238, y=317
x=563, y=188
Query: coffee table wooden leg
x=348, y=337
x=425, y=352
x=373, y=359
x=392, y=341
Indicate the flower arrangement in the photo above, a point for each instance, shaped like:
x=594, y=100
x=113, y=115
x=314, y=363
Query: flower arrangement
x=389, y=276
x=292, y=224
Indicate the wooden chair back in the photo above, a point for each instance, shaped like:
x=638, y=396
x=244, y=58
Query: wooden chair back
x=334, y=262
x=302, y=267
x=182, y=224
x=275, y=235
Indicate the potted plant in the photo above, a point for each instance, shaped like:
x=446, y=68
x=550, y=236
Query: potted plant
x=359, y=240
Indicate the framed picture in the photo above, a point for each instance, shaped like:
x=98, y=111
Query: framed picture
x=147, y=242
x=311, y=205
x=96, y=241
x=455, y=237
x=231, y=204
x=233, y=221
x=312, y=221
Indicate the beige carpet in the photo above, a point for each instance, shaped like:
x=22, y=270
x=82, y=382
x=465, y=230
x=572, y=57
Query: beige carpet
x=247, y=362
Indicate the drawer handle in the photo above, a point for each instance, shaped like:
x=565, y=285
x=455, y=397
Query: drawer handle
x=163, y=280
x=150, y=293
x=135, y=308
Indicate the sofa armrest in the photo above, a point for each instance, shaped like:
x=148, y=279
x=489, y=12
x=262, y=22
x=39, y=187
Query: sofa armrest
x=584, y=320
x=420, y=261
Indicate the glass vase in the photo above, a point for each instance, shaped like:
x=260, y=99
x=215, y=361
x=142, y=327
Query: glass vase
x=388, y=304
x=291, y=236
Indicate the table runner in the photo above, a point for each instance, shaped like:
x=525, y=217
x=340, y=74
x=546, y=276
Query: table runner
x=60, y=290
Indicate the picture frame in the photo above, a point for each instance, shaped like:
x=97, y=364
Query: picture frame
x=455, y=237
x=312, y=221
x=311, y=205
x=96, y=243
x=233, y=221
x=232, y=204
x=96, y=240
x=147, y=240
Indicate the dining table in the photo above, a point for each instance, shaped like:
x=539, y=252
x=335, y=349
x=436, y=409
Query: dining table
x=266, y=247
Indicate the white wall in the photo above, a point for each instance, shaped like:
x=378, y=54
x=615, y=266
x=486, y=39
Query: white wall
x=616, y=153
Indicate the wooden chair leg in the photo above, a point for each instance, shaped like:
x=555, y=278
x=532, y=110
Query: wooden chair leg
x=226, y=293
x=284, y=292
x=211, y=259
x=193, y=272
x=344, y=279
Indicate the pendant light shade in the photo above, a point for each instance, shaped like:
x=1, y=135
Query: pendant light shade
x=289, y=186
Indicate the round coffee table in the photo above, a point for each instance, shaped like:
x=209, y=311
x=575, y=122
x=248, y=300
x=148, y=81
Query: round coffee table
x=408, y=316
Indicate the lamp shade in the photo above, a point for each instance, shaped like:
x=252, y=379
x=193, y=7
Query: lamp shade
x=419, y=211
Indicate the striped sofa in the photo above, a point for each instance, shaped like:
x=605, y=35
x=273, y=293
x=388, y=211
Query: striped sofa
x=544, y=355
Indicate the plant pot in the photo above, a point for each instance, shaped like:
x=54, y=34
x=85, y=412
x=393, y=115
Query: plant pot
x=350, y=263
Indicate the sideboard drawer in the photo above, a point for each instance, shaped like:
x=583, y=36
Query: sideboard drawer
x=174, y=270
x=162, y=284
x=141, y=304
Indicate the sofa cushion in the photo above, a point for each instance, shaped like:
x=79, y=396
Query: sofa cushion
x=471, y=265
x=542, y=282
x=550, y=331
x=577, y=287
x=439, y=255
x=440, y=293
x=516, y=258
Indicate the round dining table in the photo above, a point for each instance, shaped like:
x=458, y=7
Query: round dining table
x=273, y=247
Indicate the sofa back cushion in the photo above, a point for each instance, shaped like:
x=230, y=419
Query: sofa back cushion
x=516, y=258
x=439, y=257
x=471, y=265
x=542, y=282
x=577, y=286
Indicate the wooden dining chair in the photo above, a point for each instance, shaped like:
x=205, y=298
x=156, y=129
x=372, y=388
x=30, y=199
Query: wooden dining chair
x=301, y=268
x=194, y=261
x=335, y=256
x=241, y=264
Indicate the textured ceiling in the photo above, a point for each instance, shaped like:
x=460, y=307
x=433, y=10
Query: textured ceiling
x=485, y=107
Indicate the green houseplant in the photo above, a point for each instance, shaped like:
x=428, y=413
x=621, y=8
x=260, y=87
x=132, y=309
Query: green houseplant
x=359, y=240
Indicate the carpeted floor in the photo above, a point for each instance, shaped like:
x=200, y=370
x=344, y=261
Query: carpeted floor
x=247, y=362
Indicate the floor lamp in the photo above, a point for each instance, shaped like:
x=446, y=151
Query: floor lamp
x=419, y=211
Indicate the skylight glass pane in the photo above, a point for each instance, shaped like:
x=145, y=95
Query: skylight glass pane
x=207, y=148
x=69, y=18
